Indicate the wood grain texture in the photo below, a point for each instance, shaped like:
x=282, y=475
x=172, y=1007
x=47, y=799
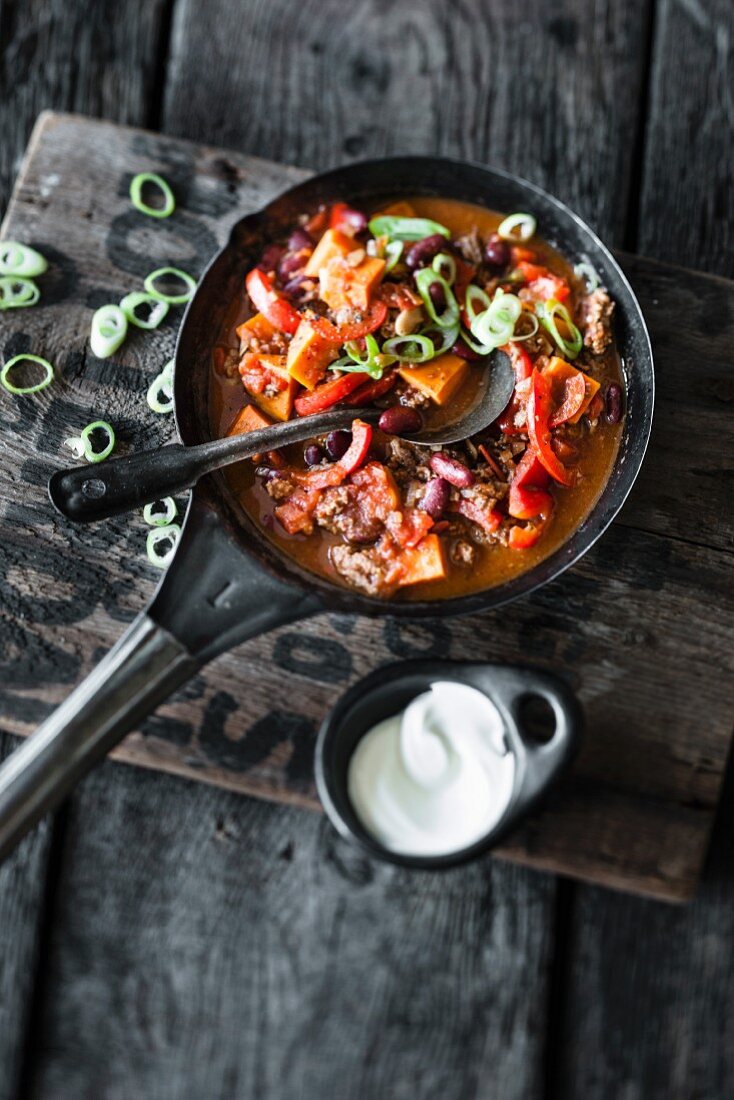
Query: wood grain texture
x=549, y=93
x=265, y=958
x=638, y=608
x=687, y=201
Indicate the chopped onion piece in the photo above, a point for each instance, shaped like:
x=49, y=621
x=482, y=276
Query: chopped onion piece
x=45, y=381
x=517, y=227
x=136, y=194
x=159, y=536
x=109, y=329
x=157, y=518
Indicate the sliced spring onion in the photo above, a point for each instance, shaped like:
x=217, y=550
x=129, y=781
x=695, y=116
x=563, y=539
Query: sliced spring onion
x=160, y=391
x=476, y=301
x=414, y=348
x=517, y=227
x=424, y=280
x=444, y=264
x=447, y=337
x=406, y=229
x=549, y=313
x=45, y=381
x=393, y=252
x=156, y=517
x=480, y=349
x=158, y=309
x=82, y=447
x=525, y=327
x=172, y=299
x=21, y=259
x=157, y=538
x=17, y=292
x=586, y=272
x=372, y=362
x=136, y=194
x=109, y=329
x=496, y=325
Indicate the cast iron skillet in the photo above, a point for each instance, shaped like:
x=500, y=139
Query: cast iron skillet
x=227, y=583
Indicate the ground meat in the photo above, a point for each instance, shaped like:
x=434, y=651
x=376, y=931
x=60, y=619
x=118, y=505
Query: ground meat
x=412, y=398
x=596, y=316
x=407, y=461
x=463, y=552
x=470, y=246
x=279, y=487
x=364, y=569
x=338, y=511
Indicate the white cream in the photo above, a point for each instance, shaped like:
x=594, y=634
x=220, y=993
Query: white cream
x=436, y=777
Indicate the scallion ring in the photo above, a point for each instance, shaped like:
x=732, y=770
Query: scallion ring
x=476, y=301
x=496, y=325
x=549, y=313
x=109, y=329
x=393, y=252
x=443, y=339
x=172, y=299
x=86, y=439
x=372, y=362
x=160, y=391
x=16, y=292
x=424, y=281
x=45, y=381
x=156, y=517
x=21, y=259
x=517, y=227
x=137, y=298
x=528, y=330
x=480, y=349
x=406, y=229
x=414, y=348
x=136, y=194
x=157, y=537
x=444, y=264
x=586, y=272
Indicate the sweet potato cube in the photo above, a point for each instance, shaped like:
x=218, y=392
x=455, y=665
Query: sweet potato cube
x=397, y=210
x=257, y=326
x=278, y=405
x=424, y=562
x=332, y=244
x=439, y=379
x=248, y=419
x=342, y=286
x=309, y=354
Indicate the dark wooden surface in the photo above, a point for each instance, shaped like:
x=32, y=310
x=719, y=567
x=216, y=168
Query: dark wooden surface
x=143, y=939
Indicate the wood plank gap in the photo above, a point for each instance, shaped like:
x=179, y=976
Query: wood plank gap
x=558, y=986
x=155, y=112
x=637, y=166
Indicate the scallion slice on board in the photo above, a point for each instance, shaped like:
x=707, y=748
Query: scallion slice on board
x=21, y=259
x=160, y=391
x=37, y=386
x=161, y=544
x=174, y=273
x=82, y=446
x=158, y=309
x=160, y=513
x=109, y=329
x=17, y=292
x=136, y=194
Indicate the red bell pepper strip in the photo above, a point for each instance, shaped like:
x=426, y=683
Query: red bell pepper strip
x=523, y=368
x=370, y=391
x=352, y=330
x=539, y=413
x=487, y=518
x=358, y=450
x=522, y=538
x=267, y=301
x=328, y=393
x=527, y=497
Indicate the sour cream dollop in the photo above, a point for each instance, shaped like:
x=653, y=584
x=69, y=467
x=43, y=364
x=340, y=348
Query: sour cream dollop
x=436, y=777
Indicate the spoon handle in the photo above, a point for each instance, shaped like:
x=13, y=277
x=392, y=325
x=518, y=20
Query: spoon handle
x=89, y=493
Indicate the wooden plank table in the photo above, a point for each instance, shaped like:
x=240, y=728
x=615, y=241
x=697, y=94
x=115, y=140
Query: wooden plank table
x=188, y=942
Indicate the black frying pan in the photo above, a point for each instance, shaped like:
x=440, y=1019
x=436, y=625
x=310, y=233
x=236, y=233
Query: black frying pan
x=227, y=583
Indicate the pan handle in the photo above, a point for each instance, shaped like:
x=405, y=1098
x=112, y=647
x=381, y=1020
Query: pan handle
x=212, y=597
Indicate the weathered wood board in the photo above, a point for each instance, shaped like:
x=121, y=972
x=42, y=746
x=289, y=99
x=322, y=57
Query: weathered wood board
x=633, y=626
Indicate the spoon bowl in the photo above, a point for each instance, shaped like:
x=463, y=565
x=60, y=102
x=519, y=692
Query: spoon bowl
x=124, y=484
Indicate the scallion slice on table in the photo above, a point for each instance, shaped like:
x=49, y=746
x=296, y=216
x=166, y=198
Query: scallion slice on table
x=160, y=391
x=517, y=227
x=161, y=512
x=16, y=292
x=406, y=229
x=158, y=309
x=82, y=445
x=21, y=259
x=161, y=544
x=444, y=264
x=415, y=348
x=37, y=386
x=549, y=314
x=425, y=280
x=109, y=329
x=174, y=273
x=136, y=195
x=586, y=272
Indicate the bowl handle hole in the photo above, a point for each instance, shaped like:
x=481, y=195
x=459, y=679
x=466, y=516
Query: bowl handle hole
x=537, y=719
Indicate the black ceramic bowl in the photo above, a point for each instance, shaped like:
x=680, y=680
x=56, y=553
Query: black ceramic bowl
x=389, y=690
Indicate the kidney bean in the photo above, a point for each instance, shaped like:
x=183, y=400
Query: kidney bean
x=337, y=443
x=298, y=240
x=462, y=349
x=399, y=419
x=313, y=454
x=267, y=473
x=452, y=470
x=271, y=257
x=614, y=404
x=437, y=296
x=436, y=498
x=354, y=220
x=296, y=287
x=422, y=252
x=497, y=252
x=289, y=266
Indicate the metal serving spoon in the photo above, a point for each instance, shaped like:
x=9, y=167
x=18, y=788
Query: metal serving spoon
x=86, y=493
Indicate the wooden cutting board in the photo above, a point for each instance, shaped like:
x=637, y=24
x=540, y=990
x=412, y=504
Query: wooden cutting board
x=642, y=627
